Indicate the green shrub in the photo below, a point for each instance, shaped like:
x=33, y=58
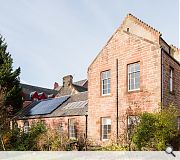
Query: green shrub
x=155, y=130
x=114, y=147
x=17, y=140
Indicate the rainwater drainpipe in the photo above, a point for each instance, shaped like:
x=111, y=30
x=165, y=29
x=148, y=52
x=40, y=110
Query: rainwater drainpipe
x=86, y=115
x=162, y=77
x=117, y=99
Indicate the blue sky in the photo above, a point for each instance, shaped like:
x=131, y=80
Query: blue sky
x=52, y=38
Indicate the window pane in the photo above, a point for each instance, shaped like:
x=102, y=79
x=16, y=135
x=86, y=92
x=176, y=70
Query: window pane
x=132, y=68
x=106, y=128
x=72, y=133
x=137, y=74
x=104, y=91
x=106, y=82
x=105, y=136
x=108, y=74
x=109, y=81
x=171, y=88
x=108, y=91
x=103, y=75
x=171, y=80
x=109, y=128
x=108, y=86
x=137, y=85
x=137, y=67
x=129, y=68
x=134, y=76
x=104, y=87
x=106, y=121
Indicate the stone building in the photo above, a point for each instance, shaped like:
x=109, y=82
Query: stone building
x=69, y=87
x=136, y=71
x=66, y=114
x=31, y=93
x=65, y=111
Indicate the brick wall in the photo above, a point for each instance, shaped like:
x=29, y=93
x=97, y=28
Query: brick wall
x=168, y=97
x=56, y=122
x=127, y=48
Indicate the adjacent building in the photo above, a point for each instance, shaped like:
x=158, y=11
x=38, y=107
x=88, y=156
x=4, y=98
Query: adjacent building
x=65, y=112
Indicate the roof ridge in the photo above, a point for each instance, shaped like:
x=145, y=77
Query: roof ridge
x=145, y=24
x=174, y=47
x=36, y=86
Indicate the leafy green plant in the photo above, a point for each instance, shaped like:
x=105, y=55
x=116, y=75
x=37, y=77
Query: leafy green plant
x=17, y=140
x=52, y=140
x=155, y=130
x=114, y=147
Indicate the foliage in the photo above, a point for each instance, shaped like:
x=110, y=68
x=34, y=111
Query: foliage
x=114, y=147
x=9, y=80
x=52, y=140
x=155, y=130
x=17, y=140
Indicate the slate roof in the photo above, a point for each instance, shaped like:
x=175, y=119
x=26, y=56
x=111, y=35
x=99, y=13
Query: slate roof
x=79, y=88
x=81, y=82
x=76, y=105
x=27, y=89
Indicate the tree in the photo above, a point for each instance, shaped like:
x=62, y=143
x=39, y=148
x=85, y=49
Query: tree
x=155, y=130
x=10, y=90
x=9, y=80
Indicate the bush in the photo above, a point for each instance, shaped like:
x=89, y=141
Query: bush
x=114, y=147
x=17, y=140
x=155, y=130
x=52, y=140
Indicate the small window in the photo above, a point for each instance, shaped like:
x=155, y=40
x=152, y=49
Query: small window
x=26, y=127
x=178, y=122
x=61, y=128
x=171, y=80
x=106, y=82
x=105, y=128
x=134, y=76
x=72, y=128
x=132, y=121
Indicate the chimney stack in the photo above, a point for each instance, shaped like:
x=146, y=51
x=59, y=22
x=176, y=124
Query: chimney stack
x=67, y=80
x=56, y=85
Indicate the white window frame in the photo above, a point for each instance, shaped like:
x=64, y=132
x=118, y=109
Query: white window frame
x=105, y=121
x=72, y=128
x=107, y=78
x=133, y=72
x=132, y=119
x=26, y=127
x=171, y=80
